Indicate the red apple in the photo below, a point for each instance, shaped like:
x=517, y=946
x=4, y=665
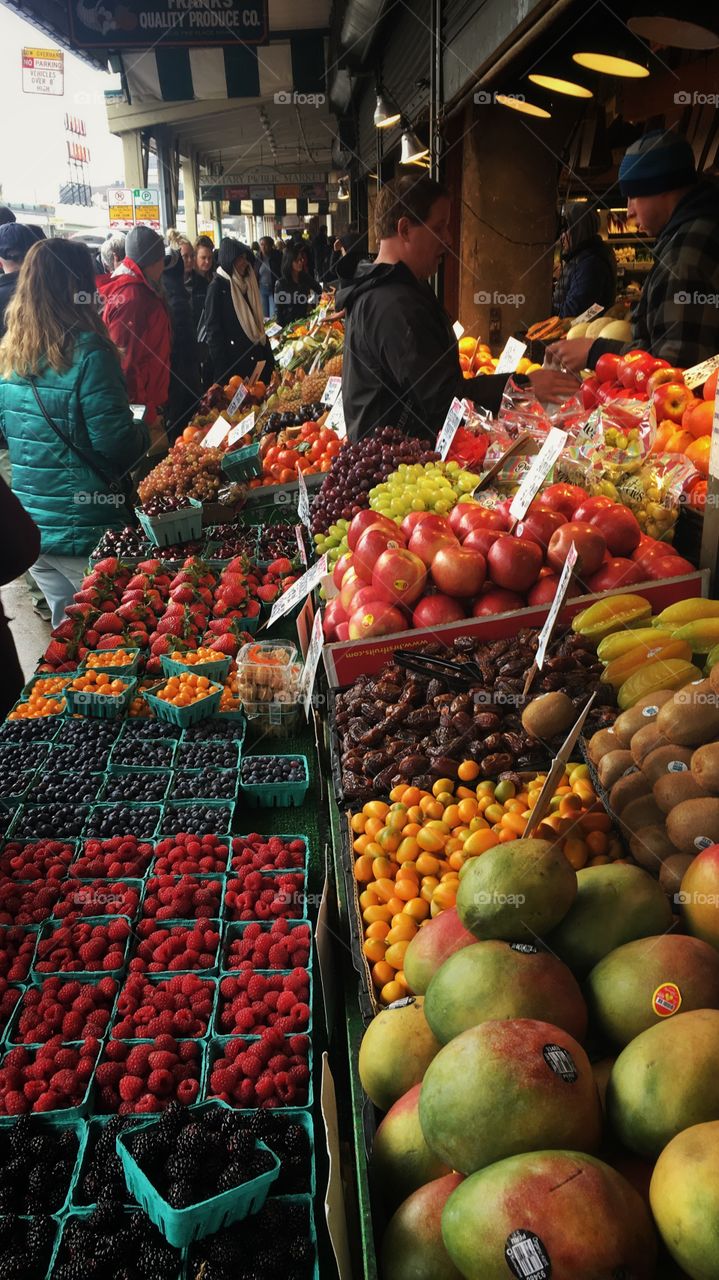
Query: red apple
x=665, y=373
x=670, y=566
x=590, y=505
x=630, y=364
x=476, y=517
x=459, y=571
x=376, y=618
x=610, y=391
x=619, y=528
x=457, y=512
x=408, y=524
x=481, y=539
x=333, y=615
x=590, y=386
x=589, y=543
x=642, y=375
x=514, y=563
x=606, y=366
x=373, y=541
x=564, y=498
x=351, y=584
x=649, y=549
x=429, y=536
x=399, y=576
x=497, y=601
x=343, y=632
x=617, y=572
x=433, y=610
x=670, y=400
x=538, y=525
x=544, y=591
x=363, y=520
x=341, y=568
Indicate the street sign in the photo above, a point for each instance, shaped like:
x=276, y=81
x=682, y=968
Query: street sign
x=43, y=71
x=147, y=207
x=120, y=208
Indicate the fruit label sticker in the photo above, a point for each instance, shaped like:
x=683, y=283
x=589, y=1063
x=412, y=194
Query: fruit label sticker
x=309, y=671
x=677, y=766
x=303, y=500
x=329, y=586
x=714, y=448
x=217, y=433
x=541, y=466
x=595, y=310
x=702, y=842
x=238, y=399
x=242, y=428
x=511, y=355
x=331, y=391
x=699, y=373
x=298, y=590
x=402, y=1004
x=336, y=420
x=545, y=634
x=526, y=948
x=666, y=1000
x=450, y=425
x=138, y=412
x=560, y=1061
x=650, y=712
x=526, y=1256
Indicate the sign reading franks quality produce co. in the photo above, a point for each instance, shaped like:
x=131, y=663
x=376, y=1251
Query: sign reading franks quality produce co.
x=112, y=24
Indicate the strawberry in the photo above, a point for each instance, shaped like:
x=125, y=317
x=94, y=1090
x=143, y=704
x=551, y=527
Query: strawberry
x=139, y=582
x=280, y=567
x=226, y=643
x=149, y=566
x=57, y=651
x=183, y=594
x=109, y=624
x=268, y=593
x=110, y=566
x=91, y=638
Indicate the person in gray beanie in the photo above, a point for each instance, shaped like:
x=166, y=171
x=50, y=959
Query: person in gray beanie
x=15, y=241
x=138, y=319
x=676, y=316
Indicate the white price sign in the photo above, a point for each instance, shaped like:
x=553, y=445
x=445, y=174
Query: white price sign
x=458, y=329
x=303, y=500
x=329, y=586
x=539, y=469
x=314, y=649
x=217, y=433
x=449, y=428
x=332, y=390
x=714, y=451
x=545, y=634
x=238, y=399
x=595, y=310
x=336, y=419
x=511, y=356
x=299, y=590
x=273, y=329
x=698, y=374
x=285, y=356
x=242, y=429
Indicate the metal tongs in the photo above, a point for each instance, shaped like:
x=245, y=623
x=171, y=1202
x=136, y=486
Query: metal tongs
x=460, y=674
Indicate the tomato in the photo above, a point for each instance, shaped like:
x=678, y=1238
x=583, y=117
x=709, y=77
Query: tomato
x=271, y=456
x=288, y=458
x=326, y=435
x=316, y=451
x=333, y=448
x=325, y=464
x=286, y=476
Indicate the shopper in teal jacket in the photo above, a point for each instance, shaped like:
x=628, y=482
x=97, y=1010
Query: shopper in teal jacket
x=65, y=415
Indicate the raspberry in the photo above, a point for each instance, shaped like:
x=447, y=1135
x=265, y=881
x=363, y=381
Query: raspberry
x=221, y=1080
x=15, y=1103
x=256, y=987
x=131, y=1088
x=109, y=1073
x=244, y=1020
x=187, y=1091
x=146, y=1103
x=160, y=1083
x=66, y=1082
x=139, y=1058
x=279, y=956
x=285, y=1002
x=300, y=1075
x=161, y=1060
x=250, y=1065
x=264, y=1088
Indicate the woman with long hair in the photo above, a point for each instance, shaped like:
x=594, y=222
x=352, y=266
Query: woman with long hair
x=65, y=415
x=205, y=257
x=233, y=316
x=296, y=291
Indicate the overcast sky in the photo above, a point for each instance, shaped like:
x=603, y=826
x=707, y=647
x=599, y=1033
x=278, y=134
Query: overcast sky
x=33, y=155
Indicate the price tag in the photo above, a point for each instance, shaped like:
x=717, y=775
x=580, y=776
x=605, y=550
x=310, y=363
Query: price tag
x=595, y=310
x=273, y=329
x=275, y=344
x=237, y=400
x=699, y=373
x=332, y=390
x=303, y=500
x=314, y=649
x=539, y=469
x=458, y=329
x=336, y=419
x=299, y=589
x=456, y=413
x=242, y=428
x=714, y=451
x=285, y=356
x=329, y=587
x=217, y=433
x=545, y=634
x=511, y=356
x=138, y=412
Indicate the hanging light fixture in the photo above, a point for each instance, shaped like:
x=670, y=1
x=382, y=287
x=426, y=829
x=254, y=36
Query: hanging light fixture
x=413, y=151
x=385, y=113
x=622, y=63
x=516, y=103
x=658, y=24
x=554, y=79
x=343, y=190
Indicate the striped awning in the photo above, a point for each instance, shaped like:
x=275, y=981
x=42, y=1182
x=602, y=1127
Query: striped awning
x=231, y=71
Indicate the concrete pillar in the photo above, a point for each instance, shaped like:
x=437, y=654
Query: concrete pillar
x=166, y=160
x=133, y=160
x=190, y=186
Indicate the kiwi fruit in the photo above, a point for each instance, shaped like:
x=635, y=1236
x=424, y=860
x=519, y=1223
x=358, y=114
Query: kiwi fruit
x=640, y=715
x=639, y=814
x=672, y=872
x=693, y=823
x=671, y=789
x=645, y=741
x=692, y=716
x=714, y=678
x=601, y=742
x=549, y=715
x=628, y=788
x=650, y=846
x=669, y=759
x=705, y=766
x=613, y=765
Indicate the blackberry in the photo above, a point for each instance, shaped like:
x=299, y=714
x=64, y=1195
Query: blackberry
x=175, y=1168
x=7, y=1197
x=157, y=1261
x=144, y=1147
x=301, y=1250
x=70, y=1271
x=180, y=1194
x=231, y=1177
x=241, y=1144
x=101, y=1219
x=295, y=1139
x=192, y=1141
x=13, y=1267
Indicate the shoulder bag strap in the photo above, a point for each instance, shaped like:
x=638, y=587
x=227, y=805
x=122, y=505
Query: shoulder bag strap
x=113, y=485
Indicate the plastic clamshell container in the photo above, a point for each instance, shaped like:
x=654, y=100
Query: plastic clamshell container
x=236, y=928
x=268, y=666
x=214, y=670
x=183, y=525
x=273, y=719
x=181, y=1226
x=128, y=669
x=51, y=926
x=61, y=1113
x=183, y=716
x=243, y=464
x=275, y=795
x=101, y=705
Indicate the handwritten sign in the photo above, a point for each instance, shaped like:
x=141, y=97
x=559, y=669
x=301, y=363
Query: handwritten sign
x=698, y=374
x=511, y=356
x=303, y=500
x=332, y=390
x=242, y=429
x=299, y=590
x=237, y=400
x=336, y=419
x=595, y=310
x=450, y=425
x=217, y=433
x=545, y=634
x=538, y=471
x=309, y=671
x=458, y=329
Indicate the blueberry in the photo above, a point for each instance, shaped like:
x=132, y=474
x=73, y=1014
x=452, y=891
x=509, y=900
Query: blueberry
x=195, y=818
x=152, y=729
x=14, y=782
x=118, y=820
x=272, y=769
x=153, y=755
x=23, y=756
x=41, y=730
x=206, y=755
x=214, y=731
x=52, y=821
x=64, y=787
x=208, y=784
x=147, y=787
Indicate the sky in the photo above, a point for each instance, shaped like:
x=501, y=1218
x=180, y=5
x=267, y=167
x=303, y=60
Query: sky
x=33, y=155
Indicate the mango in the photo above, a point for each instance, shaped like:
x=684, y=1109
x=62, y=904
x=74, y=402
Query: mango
x=615, y=904
x=396, y=1050
x=608, y=615
x=517, y=891
x=665, y=1080
x=684, y=1196
x=650, y=980
x=621, y=642
x=434, y=943
x=684, y=611
x=558, y=1213
x=699, y=896
x=506, y=1087
x=412, y=1246
x=669, y=673
x=620, y=669
x=702, y=634
x=401, y=1161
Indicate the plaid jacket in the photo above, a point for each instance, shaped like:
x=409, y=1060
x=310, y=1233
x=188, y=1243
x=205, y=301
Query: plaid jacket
x=677, y=314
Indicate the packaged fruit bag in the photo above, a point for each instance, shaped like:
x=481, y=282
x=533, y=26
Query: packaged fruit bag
x=616, y=437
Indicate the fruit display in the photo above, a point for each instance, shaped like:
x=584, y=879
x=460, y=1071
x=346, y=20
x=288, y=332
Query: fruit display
x=188, y=471
x=357, y=470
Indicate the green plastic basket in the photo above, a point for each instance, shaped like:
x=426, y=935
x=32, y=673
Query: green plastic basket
x=184, y=525
x=215, y=670
x=192, y=1268
x=284, y=836
x=61, y=1113
x=154, y=979
x=202, y=1043
x=129, y=669
x=47, y=675
x=124, y=771
x=211, y=972
x=38, y=976
x=116, y=765
x=216, y=1049
x=85, y=979
x=183, y=716
x=178, y=774
x=83, y=886
x=176, y=806
x=215, y=1029
x=276, y=795
x=100, y=705
x=243, y=464
x=236, y=928
x=180, y=767
x=144, y=811
x=84, y=1212
x=93, y=1128
x=181, y=1226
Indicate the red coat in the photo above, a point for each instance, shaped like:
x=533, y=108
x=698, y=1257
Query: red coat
x=138, y=321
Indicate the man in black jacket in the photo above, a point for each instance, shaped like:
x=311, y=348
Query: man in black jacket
x=401, y=361
x=15, y=241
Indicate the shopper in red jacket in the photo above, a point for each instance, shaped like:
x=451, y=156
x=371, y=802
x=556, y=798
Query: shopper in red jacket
x=138, y=319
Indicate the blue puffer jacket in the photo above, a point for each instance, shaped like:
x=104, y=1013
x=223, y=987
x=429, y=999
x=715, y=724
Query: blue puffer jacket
x=65, y=497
